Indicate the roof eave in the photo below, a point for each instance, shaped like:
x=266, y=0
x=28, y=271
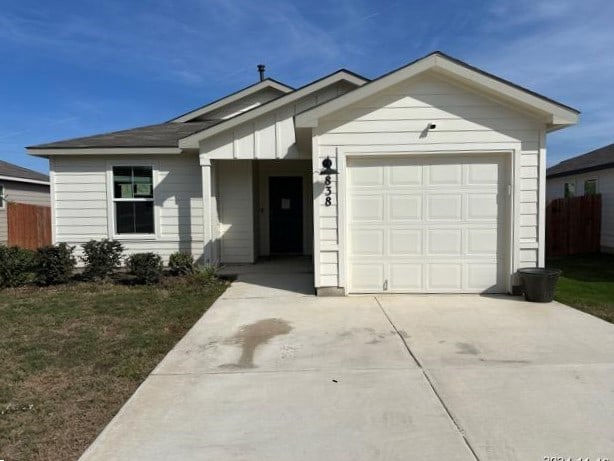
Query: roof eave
x=26, y=180
x=46, y=152
x=604, y=166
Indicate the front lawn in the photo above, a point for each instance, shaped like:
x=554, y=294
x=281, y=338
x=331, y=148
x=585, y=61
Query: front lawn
x=71, y=355
x=587, y=283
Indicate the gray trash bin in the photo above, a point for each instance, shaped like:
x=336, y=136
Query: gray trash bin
x=539, y=283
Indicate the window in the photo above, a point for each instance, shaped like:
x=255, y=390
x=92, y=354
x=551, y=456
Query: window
x=1, y=197
x=133, y=199
x=590, y=187
x=570, y=189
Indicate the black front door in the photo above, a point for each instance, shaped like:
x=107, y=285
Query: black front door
x=286, y=214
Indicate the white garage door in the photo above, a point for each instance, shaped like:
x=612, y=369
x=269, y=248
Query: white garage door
x=426, y=224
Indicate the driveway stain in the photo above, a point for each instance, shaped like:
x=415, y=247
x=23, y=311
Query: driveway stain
x=250, y=337
x=467, y=348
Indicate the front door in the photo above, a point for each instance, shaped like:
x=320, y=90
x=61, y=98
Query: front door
x=286, y=214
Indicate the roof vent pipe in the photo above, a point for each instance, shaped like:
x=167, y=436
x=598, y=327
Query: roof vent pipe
x=261, y=68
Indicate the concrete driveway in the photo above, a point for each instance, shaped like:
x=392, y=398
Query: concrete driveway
x=272, y=373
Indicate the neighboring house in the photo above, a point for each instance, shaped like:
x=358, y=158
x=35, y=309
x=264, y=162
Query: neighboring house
x=18, y=184
x=440, y=185
x=591, y=173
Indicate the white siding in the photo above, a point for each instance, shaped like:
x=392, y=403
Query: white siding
x=394, y=122
x=81, y=208
x=271, y=136
x=605, y=186
x=235, y=207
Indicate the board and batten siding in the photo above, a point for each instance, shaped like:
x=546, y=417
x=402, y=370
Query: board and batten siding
x=605, y=187
x=272, y=135
x=20, y=192
x=81, y=194
x=235, y=189
x=394, y=122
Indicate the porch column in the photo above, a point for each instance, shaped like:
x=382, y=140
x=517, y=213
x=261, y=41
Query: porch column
x=208, y=251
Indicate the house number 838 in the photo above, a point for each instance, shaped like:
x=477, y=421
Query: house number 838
x=328, y=201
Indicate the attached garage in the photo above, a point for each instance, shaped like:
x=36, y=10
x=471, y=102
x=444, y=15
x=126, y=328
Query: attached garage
x=440, y=185
x=430, y=223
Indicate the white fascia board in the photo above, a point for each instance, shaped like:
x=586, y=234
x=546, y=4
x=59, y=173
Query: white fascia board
x=29, y=181
x=105, y=151
x=232, y=98
x=558, y=114
x=309, y=118
x=192, y=141
x=562, y=115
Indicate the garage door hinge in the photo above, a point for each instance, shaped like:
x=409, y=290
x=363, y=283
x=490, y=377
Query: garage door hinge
x=385, y=285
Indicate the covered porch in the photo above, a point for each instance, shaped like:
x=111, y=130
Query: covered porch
x=259, y=209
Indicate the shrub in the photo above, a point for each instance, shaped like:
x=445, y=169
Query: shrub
x=54, y=264
x=101, y=258
x=204, y=274
x=16, y=266
x=181, y=263
x=147, y=267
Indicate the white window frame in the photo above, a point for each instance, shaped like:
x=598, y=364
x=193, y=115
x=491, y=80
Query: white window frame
x=596, y=185
x=111, y=200
x=575, y=192
x=2, y=197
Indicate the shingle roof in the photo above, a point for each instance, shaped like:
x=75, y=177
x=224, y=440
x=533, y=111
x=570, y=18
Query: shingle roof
x=161, y=135
x=19, y=172
x=598, y=159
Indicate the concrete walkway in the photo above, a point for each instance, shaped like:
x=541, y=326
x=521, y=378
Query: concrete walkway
x=273, y=373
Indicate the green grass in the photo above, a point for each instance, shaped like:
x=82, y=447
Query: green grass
x=587, y=283
x=71, y=355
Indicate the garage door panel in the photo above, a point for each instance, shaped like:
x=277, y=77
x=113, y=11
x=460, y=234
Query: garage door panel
x=367, y=242
x=481, y=276
x=367, y=277
x=482, y=242
x=406, y=277
x=405, y=175
x=367, y=174
x=444, y=276
x=367, y=208
x=444, y=242
x=405, y=207
x=405, y=242
x=482, y=174
x=444, y=174
x=482, y=206
x=436, y=225
x=446, y=207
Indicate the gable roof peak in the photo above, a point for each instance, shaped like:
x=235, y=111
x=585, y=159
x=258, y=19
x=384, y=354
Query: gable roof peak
x=557, y=115
x=267, y=83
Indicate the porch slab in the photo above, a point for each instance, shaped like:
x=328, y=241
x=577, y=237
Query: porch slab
x=361, y=415
x=267, y=285
x=270, y=277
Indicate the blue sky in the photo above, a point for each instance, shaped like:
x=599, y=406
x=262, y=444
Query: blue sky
x=73, y=68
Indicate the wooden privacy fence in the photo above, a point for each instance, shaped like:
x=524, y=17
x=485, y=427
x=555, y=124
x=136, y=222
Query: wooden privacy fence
x=29, y=226
x=573, y=225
